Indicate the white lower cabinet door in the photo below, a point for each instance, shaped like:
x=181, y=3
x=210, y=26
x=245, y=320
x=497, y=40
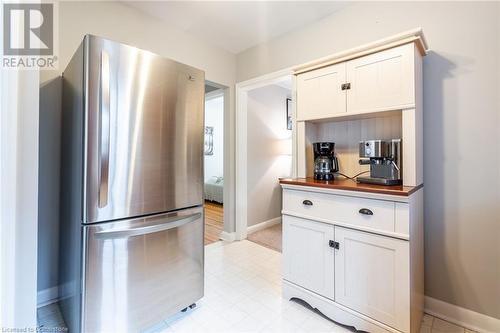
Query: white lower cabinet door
x=372, y=276
x=308, y=258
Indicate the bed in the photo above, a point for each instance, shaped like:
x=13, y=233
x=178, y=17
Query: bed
x=214, y=189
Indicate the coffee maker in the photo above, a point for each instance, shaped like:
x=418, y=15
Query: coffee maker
x=325, y=162
x=384, y=158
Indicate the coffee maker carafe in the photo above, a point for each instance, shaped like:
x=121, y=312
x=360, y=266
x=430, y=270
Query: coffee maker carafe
x=325, y=162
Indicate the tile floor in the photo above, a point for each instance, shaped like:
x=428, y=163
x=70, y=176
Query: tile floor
x=243, y=294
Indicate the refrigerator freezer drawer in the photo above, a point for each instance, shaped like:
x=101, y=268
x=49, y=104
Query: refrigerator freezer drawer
x=138, y=272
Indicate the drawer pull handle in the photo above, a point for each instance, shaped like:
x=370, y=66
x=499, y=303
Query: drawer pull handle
x=307, y=202
x=365, y=211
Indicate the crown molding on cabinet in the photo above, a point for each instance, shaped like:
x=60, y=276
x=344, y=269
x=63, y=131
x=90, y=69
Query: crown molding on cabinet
x=411, y=36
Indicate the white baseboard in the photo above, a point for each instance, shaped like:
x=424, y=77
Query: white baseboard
x=263, y=225
x=47, y=296
x=228, y=236
x=466, y=318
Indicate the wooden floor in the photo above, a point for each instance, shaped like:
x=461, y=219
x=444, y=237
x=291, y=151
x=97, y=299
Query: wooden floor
x=214, y=221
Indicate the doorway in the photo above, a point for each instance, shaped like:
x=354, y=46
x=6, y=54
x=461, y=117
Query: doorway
x=265, y=150
x=213, y=186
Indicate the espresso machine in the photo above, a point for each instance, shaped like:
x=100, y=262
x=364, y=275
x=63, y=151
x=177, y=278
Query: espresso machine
x=325, y=162
x=384, y=158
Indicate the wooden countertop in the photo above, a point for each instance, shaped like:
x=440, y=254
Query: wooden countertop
x=351, y=185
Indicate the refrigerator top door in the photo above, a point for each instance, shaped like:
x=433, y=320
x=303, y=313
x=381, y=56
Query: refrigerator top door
x=144, y=133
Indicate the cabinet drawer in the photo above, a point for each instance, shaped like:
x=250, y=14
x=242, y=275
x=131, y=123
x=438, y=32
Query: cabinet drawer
x=370, y=213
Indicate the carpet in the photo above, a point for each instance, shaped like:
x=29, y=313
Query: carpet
x=269, y=237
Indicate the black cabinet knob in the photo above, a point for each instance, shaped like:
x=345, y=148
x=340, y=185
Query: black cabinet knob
x=365, y=211
x=345, y=86
x=307, y=202
x=334, y=244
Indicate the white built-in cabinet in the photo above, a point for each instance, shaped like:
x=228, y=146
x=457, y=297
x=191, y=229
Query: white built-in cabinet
x=373, y=275
x=320, y=94
x=361, y=270
x=376, y=82
x=309, y=261
x=382, y=81
x=367, y=83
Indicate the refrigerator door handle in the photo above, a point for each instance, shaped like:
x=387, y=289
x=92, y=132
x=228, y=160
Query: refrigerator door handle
x=104, y=128
x=163, y=224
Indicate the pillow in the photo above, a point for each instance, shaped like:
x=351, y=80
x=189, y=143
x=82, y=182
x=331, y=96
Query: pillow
x=216, y=180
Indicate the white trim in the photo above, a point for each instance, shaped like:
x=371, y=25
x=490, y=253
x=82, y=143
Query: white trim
x=416, y=35
x=241, y=163
x=228, y=194
x=228, y=164
x=348, y=225
x=214, y=94
x=463, y=317
x=47, y=296
x=242, y=89
x=263, y=225
x=227, y=236
x=334, y=311
x=19, y=114
x=347, y=193
x=294, y=127
x=264, y=80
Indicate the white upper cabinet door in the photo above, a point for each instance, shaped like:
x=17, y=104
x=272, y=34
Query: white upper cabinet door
x=320, y=94
x=382, y=81
x=372, y=276
x=307, y=255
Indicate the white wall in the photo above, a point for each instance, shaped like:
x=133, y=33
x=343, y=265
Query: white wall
x=48, y=187
x=269, y=146
x=461, y=126
x=18, y=198
x=19, y=98
x=214, y=117
x=117, y=21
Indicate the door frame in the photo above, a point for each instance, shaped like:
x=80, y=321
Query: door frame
x=19, y=119
x=241, y=188
x=19, y=124
x=223, y=91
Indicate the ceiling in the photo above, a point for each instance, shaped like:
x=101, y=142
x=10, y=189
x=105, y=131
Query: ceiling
x=286, y=83
x=237, y=25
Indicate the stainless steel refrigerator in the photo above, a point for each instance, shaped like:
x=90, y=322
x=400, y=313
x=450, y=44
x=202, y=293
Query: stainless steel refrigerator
x=132, y=170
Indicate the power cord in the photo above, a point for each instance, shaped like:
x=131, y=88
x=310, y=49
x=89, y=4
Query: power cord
x=353, y=177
